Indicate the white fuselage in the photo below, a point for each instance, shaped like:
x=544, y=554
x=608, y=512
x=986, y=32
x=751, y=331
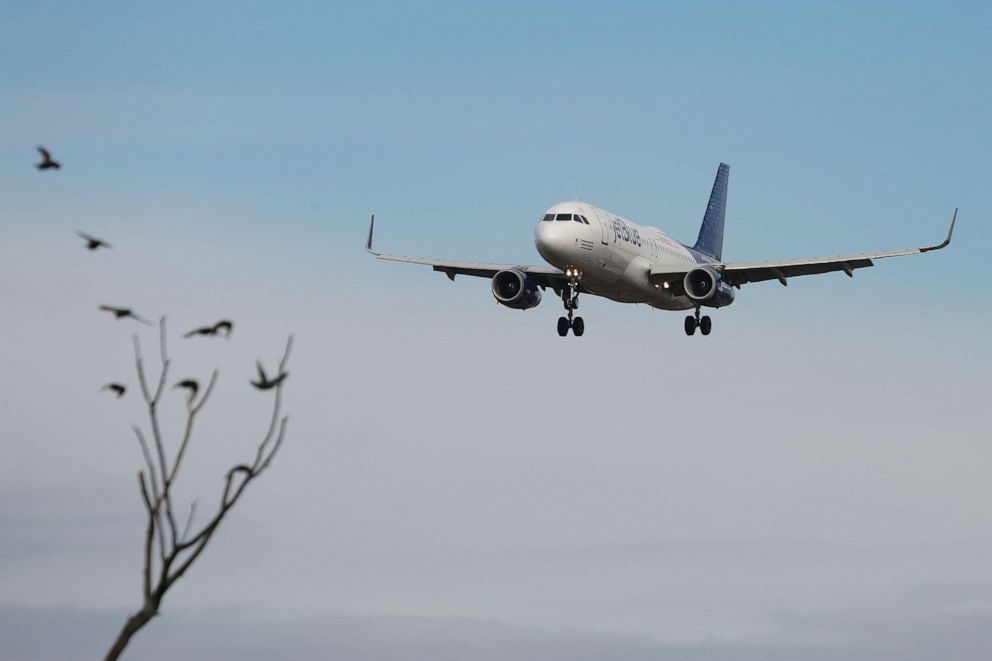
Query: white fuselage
x=613, y=254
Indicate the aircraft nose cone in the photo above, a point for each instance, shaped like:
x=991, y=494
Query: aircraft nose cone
x=549, y=238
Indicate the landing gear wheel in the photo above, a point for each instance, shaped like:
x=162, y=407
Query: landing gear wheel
x=705, y=325
x=578, y=326
x=690, y=325
x=570, y=299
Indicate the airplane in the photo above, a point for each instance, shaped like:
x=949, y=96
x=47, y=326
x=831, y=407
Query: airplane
x=593, y=251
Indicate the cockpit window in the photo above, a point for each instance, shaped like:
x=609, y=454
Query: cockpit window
x=564, y=216
x=548, y=216
x=581, y=219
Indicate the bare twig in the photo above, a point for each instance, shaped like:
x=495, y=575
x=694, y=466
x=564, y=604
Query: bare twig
x=189, y=520
x=146, y=587
x=148, y=460
x=191, y=412
x=141, y=368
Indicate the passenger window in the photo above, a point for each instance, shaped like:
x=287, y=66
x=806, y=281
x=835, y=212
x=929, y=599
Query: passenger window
x=564, y=216
x=549, y=216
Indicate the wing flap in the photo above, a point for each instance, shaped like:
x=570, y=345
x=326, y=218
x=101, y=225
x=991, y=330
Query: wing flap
x=738, y=273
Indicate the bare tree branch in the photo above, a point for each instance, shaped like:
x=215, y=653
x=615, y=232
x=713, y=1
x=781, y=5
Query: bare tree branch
x=275, y=409
x=189, y=520
x=141, y=369
x=148, y=461
x=206, y=393
x=161, y=340
x=146, y=588
x=177, y=552
x=152, y=404
x=275, y=448
x=191, y=412
x=155, y=501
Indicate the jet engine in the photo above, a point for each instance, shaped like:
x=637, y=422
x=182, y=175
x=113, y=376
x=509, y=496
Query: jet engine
x=706, y=287
x=514, y=289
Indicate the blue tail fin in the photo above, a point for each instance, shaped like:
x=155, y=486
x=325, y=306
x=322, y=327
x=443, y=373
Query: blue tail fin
x=710, y=241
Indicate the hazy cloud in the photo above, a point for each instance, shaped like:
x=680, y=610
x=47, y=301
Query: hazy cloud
x=60, y=633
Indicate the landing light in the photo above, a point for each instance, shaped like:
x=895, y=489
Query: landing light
x=666, y=284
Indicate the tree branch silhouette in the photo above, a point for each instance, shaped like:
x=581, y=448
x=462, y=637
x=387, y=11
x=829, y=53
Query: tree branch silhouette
x=177, y=551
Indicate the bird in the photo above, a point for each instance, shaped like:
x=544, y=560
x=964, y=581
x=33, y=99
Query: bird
x=47, y=162
x=117, y=388
x=191, y=385
x=92, y=243
x=214, y=330
x=203, y=330
x=226, y=325
x=264, y=383
x=124, y=313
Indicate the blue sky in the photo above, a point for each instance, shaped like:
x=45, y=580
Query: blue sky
x=811, y=480
x=845, y=126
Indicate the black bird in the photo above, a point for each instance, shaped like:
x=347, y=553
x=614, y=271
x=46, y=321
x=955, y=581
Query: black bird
x=124, y=313
x=47, y=163
x=189, y=384
x=117, y=388
x=264, y=383
x=203, y=330
x=212, y=331
x=224, y=325
x=92, y=243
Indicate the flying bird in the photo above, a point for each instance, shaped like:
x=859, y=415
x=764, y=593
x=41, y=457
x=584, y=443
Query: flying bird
x=47, y=163
x=212, y=331
x=118, y=388
x=264, y=383
x=124, y=313
x=92, y=243
x=224, y=325
x=191, y=385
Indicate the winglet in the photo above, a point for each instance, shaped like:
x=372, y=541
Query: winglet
x=368, y=242
x=947, y=241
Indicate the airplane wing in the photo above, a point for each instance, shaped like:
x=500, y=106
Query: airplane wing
x=738, y=273
x=544, y=276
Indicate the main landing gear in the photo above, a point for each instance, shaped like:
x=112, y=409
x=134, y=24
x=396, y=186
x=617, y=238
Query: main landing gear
x=570, y=298
x=704, y=324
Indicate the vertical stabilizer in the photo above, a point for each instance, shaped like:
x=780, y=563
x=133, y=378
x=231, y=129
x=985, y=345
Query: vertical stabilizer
x=710, y=241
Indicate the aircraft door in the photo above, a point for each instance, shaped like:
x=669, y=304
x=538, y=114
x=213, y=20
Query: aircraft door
x=605, y=228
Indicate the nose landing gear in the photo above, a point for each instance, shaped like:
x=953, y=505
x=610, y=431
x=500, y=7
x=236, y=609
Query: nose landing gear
x=570, y=298
x=704, y=324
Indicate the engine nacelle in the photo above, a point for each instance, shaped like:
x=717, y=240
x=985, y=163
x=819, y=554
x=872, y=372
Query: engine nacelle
x=514, y=289
x=705, y=286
